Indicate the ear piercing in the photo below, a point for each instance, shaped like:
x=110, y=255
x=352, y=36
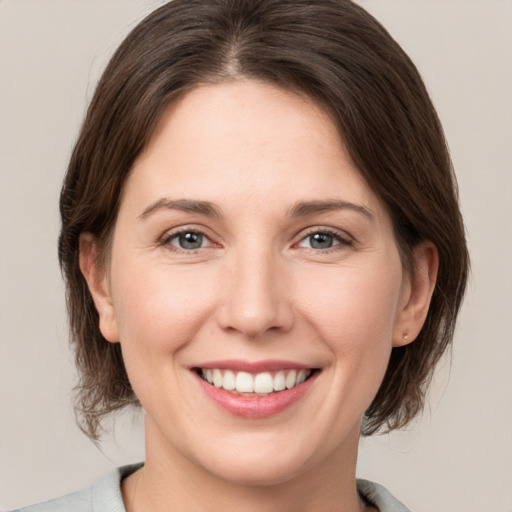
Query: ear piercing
x=405, y=336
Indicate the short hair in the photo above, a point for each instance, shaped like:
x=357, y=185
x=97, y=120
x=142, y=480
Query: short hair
x=333, y=52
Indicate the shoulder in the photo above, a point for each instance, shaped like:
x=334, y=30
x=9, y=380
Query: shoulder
x=80, y=501
x=103, y=496
x=377, y=495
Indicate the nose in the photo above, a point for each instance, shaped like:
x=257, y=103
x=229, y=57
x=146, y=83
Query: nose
x=254, y=298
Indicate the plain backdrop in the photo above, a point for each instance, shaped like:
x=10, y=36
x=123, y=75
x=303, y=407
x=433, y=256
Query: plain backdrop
x=458, y=456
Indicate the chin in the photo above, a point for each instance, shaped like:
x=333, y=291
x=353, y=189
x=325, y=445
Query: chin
x=265, y=458
x=258, y=471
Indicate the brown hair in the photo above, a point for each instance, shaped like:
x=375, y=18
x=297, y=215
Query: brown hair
x=334, y=52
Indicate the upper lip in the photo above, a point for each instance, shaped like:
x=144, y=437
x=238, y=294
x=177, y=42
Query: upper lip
x=239, y=365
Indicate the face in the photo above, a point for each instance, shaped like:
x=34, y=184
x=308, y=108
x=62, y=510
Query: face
x=254, y=285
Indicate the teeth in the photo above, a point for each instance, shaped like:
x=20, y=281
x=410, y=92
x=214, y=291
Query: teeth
x=229, y=382
x=263, y=383
x=217, y=378
x=301, y=376
x=244, y=382
x=279, y=381
x=260, y=383
x=291, y=379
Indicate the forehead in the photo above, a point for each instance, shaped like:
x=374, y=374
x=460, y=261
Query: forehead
x=249, y=138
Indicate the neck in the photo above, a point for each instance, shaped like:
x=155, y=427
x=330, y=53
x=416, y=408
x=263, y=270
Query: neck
x=170, y=481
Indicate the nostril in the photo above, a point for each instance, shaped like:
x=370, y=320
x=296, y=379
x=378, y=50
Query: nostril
x=254, y=319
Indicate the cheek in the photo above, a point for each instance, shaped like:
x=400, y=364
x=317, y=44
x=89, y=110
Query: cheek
x=160, y=309
x=353, y=314
x=158, y=313
x=354, y=308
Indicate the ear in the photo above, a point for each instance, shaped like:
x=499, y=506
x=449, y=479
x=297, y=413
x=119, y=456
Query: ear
x=416, y=294
x=97, y=281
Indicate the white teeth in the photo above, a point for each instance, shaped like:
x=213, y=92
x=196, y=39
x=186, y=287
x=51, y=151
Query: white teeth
x=263, y=383
x=244, y=382
x=279, y=381
x=260, y=383
x=229, y=380
x=217, y=378
x=291, y=379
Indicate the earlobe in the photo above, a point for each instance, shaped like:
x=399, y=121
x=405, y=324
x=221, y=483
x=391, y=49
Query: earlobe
x=96, y=277
x=416, y=298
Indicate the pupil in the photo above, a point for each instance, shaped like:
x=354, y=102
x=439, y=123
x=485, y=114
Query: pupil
x=191, y=240
x=321, y=241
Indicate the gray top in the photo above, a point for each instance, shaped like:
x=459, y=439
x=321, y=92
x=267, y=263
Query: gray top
x=105, y=496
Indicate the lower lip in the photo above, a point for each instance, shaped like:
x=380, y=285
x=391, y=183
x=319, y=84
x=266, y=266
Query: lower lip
x=253, y=407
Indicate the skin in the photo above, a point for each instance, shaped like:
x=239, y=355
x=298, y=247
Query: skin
x=255, y=290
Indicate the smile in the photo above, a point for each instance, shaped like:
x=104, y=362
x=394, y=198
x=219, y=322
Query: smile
x=259, y=384
x=255, y=390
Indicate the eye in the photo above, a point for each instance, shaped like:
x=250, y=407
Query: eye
x=323, y=240
x=188, y=240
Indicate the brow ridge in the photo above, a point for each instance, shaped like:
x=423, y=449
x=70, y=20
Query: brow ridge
x=185, y=205
x=299, y=209
x=304, y=208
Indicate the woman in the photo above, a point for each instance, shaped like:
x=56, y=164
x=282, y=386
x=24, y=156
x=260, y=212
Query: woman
x=263, y=248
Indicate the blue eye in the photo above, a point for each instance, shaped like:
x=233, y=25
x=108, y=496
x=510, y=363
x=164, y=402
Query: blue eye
x=188, y=240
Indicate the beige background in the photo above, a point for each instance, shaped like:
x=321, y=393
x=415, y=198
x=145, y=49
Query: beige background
x=458, y=457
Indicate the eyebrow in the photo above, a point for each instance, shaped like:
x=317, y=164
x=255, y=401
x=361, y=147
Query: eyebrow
x=184, y=205
x=304, y=208
x=299, y=209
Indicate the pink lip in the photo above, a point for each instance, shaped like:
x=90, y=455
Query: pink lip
x=238, y=365
x=255, y=407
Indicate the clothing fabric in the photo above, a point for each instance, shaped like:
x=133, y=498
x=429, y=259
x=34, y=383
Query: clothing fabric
x=105, y=496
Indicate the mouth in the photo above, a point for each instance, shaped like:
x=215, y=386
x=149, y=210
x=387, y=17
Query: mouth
x=255, y=384
x=255, y=390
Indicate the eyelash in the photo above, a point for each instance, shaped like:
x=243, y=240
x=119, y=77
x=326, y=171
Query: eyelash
x=343, y=240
